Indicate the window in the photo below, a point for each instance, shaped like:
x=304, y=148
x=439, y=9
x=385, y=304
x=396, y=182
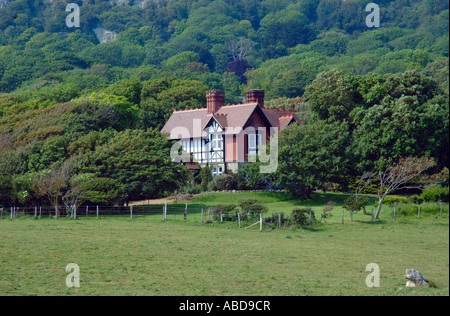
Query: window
x=254, y=140
x=217, y=171
x=217, y=142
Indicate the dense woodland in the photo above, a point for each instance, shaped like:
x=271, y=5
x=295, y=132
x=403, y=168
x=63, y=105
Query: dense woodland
x=80, y=119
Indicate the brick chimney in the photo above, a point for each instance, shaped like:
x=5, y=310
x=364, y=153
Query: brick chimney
x=215, y=99
x=256, y=96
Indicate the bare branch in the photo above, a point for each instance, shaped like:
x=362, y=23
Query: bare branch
x=401, y=176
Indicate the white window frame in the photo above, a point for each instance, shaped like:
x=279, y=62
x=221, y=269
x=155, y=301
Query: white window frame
x=254, y=141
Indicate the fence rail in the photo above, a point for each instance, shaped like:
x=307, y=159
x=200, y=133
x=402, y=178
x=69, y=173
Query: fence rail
x=168, y=212
x=98, y=211
x=155, y=212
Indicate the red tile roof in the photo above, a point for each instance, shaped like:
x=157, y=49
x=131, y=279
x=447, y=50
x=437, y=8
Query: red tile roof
x=231, y=116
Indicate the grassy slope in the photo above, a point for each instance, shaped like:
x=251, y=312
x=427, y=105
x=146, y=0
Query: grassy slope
x=118, y=256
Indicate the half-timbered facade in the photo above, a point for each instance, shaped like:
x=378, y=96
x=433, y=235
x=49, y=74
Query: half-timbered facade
x=226, y=137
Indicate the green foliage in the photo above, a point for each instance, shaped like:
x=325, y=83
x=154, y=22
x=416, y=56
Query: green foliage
x=326, y=211
x=409, y=118
x=159, y=97
x=301, y=217
x=435, y=194
x=254, y=179
x=427, y=209
x=205, y=177
x=190, y=188
x=102, y=191
x=68, y=97
x=226, y=212
x=251, y=208
x=393, y=200
x=312, y=154
x=5, y=191
x=331, y=96
x=140, y=161
x=355, y=204
x=224, y=182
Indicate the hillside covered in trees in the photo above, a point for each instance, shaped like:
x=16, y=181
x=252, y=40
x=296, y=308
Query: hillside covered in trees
x=81, y=107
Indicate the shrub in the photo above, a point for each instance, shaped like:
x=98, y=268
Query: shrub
x=190, y=188
x=205, y=178
x=275, y=219
x=300, y=217
x=435, y=194
x=225, y=182
x=251, y=208
x=326, y=211
x=252, y=176
x=415, y=199
x=102, y=191
x=228, y=212
x=390, y=200
x=425, y=209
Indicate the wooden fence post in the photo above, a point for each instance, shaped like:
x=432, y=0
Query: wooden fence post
x=185, y=212
x=221, y=217
x=98, y=211
x=11, y=213
x=260, y=222
x=35, y=212
x=165, y=211
x=131, y=212
x=75, y=211
x=40, y=211
x=239, y=220
x=279, y=220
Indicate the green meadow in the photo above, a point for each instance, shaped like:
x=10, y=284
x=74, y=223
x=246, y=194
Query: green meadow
x=146, y=256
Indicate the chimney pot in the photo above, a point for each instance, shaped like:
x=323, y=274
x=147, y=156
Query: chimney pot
x=256, y=96
x=215, y=99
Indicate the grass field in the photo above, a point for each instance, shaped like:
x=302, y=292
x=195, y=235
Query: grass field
x=143, y=256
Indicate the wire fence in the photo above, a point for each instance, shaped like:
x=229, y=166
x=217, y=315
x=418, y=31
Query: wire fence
x=149, y=212
x=175, y=212
x=152, y=211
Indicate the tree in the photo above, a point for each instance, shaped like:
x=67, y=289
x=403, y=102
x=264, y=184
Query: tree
x=403, y=127
x=251, y=208
x=312, y=154
x=401, y=176
x=331, y=96
x=140, y=161
x=291, y=83
x=101, y=191
x=53, y=184
x=354, y=204
x=5, y=190
x=238, y=49
x=205, y=177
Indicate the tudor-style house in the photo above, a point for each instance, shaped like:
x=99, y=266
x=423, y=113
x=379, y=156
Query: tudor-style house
x=224, y=137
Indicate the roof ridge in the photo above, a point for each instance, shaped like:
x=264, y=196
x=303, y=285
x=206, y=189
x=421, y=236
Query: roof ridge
x=189, y=110
x=280, y=110
x=241, y=104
